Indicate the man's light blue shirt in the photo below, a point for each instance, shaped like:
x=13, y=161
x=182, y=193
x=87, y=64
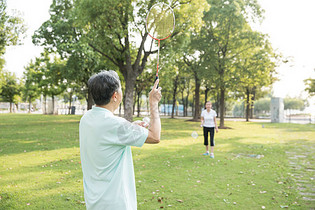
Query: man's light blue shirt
x=108, y=174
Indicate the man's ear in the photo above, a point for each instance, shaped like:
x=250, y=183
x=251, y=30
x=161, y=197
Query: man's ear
x=114, y=97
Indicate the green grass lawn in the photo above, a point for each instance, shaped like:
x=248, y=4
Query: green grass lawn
x=40, y=166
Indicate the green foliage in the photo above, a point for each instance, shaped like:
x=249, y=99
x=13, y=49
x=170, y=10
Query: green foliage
x=262, y=105
x=62, y=35
x=240, y=59
x=257, y=66
x=144, y=82
x=11, y=28
x=213, y=37
x=58, y=34
x=189, y=14
x=294, y=103
x=44, y=76
x=117, y=31
x=11, y=88
x=32, y=77
x=2, y=80
x=53, y=82
x=310, y=86
x=238, y=110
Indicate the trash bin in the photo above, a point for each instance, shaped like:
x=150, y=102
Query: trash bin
x=72, y=109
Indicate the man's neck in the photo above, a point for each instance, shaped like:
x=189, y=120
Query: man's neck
x=109, y=107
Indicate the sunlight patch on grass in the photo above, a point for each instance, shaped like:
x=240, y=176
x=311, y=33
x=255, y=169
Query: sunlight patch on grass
x=225, y=147
x=26, y=159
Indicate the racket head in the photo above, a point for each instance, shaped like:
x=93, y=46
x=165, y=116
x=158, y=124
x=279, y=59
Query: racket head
x=160, y=21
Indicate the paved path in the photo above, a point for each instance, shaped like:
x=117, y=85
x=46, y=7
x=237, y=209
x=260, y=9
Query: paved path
x=301, y=161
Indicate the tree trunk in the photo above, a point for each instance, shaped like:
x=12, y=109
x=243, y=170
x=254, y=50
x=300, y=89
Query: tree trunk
x=247, y=104
x=251, y=110
x=70, y=97
x=252, y=103
x=186, y=108
x=10, y=107
x=45, y=103
x=197, y=99
x=222, y=101
x=174, y=95
x=138, y=104
x=183, y=103
x=206, y=94
x=29, y=104
x=173, y=107
x=134, y=102
x=164, y=105
x=128, y=100
x=53, y=104
x=193, y=106
x=186, y=111
x=217, y=104
x=168, y=103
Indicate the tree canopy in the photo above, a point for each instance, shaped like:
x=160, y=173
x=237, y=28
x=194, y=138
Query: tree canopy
x=11, y=29
x=213, y=44
x=310, y=86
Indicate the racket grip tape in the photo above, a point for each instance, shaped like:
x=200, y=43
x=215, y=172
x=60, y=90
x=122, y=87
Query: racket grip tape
x=156, y=77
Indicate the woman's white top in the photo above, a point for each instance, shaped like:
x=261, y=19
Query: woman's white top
x=208, y=118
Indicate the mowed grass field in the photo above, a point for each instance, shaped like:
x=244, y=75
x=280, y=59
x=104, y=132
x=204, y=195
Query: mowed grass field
x=256, y=166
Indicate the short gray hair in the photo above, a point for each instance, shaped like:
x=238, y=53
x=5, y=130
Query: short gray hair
x=103, y=85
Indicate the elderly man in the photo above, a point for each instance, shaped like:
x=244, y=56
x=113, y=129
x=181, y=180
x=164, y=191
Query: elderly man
x=105, y=140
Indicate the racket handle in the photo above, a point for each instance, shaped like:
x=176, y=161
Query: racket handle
x=156, y=77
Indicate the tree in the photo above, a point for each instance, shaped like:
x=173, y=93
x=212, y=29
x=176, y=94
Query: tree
x=2, y=80
x=294, y=103
x=11, y=28
x=262, y=105
x=71, y=90
x=193, y=56
x=226, y=36
x=310, y=86
x=11, y=89
x=31, y=89
x=185, y=87
x=61, y=35
x=57, y=83
x=143, y=84
x=52, y=81
x=166, y=82
x=194, y=65
x=256, y=70
x=112, y=28
x=238, y=110
x=47, y=76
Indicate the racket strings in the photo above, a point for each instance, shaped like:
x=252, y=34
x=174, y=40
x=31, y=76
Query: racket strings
x=160, y=21
x=160, y=25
